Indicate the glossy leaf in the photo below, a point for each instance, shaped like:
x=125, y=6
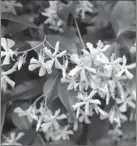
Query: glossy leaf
x=123, y=16
x=18, y=19
x=27, y=90
x=65, y=99
x=49, y=88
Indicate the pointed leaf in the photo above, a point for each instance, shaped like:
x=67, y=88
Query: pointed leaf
x=27, y=90
x=19, y=19
x=65, y=99
x=49, y=88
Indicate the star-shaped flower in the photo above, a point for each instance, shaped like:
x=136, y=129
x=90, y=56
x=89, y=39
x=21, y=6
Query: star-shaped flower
x=62, y=133
x=7, y=44
x=34, y=63
x=30, y=113
x=124, y=69
x=12, y=140
x=85, y=101
x=51, y=120
x=54, y=57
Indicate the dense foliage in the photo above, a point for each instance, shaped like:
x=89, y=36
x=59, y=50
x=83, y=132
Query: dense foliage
x=68, y=72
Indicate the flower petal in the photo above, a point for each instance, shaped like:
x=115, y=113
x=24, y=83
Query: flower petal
x=4, y=43
x=57, y=64
x=33, y=66
x=9, y=81
x=56, y=48
x=48, y=52
x=42, y=71
x=10, y=43
x=62, y=53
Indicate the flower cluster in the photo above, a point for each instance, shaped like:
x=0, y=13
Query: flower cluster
x=47, y=122
x=92, y=74
x=52, y=18
x=12, y=140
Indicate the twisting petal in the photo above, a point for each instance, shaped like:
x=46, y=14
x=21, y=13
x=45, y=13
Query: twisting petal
x=56, y=48
x=48, y=52
x=61, y=54
x=42, y=71
x=9, y=81
x=33, y=66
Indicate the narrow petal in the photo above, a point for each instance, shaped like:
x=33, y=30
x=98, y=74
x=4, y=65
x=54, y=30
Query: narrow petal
x=10, y=43
x=19, y=135
x=62, y=53
x=132, y=66
x=6, y=60
x=120, y=73
x=87, y=108
x=123, y=107
x=93, y=70
x=34, y=61
x=42, y=71
x=3, y=53
x=74, y=71
x=128, y=74
x=4, y=43
x=57, y=64
x=48, y=52
x=63, y=116
x=75, y=58
x=106, y=47
x=56, y=48
x=9, y=81
x=95, y=101
x=49, y=64
x=33, y=66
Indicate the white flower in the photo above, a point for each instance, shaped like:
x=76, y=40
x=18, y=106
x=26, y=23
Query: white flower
x=12, y=139
x=115, y=116
x=30, y=113
x=85, y=101
x=62, y=133
x=124, y=69
x=127, y=102
x=84, y=117
x=20, y=62
x=5, y=79
x=83, y=66
x=100, y=48
x=83, y=7
x=39, y=63
x=54, y=57
x=51, y=120
x=8, y=53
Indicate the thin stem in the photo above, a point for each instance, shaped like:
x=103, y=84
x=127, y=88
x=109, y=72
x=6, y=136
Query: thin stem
x=37, y=99
x=33, y=47
x=79, y=32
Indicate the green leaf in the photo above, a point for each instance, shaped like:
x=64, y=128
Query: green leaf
x=39, y=140
x=123, y=16
x=18, y=19
x=27, y=90
x=65, y=99
x=50, y=88
x=14, y=27
x=20, y=122
x=3, y=112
